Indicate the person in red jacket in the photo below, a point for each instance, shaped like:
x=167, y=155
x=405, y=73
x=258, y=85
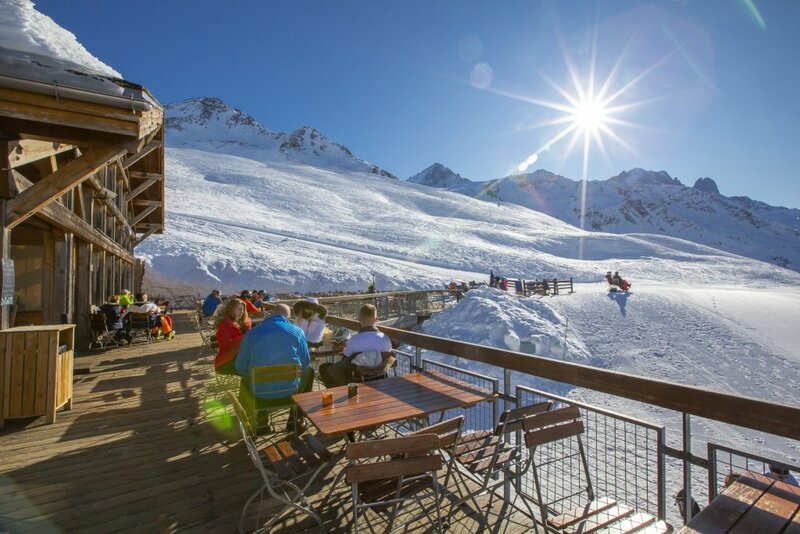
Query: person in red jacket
x=246, y=297
x=231, y=328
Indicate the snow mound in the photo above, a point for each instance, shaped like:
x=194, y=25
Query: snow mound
x=495, y=318
x=25, y=30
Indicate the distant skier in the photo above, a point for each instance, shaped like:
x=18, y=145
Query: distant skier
x=609, y=278
x=491, y=278
x=617, y=279
x=545, y=286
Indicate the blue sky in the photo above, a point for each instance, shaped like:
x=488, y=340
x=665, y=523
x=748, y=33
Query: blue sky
x=711, y=86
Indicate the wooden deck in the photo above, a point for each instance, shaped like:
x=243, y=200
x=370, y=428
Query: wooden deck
x=138, y=452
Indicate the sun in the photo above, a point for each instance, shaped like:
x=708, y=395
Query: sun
x=590, y=115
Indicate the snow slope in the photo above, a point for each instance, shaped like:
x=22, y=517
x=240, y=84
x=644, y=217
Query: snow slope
x=234, y=222
x=650, y=202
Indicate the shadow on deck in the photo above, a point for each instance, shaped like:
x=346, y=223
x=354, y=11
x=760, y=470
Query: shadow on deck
x=139, y=452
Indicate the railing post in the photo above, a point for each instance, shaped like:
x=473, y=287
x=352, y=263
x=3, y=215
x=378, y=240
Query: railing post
x=712, y=472
x=417, y=359
x=687, y=467
x=661, y=473
x=571, y=289
x=507, y=405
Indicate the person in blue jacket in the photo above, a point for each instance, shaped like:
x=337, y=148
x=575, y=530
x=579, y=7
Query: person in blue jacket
x=275, y=341
x=211, y=302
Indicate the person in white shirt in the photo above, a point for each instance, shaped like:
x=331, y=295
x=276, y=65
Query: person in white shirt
x=160, y=324
x=368, y=353
x=310, y=317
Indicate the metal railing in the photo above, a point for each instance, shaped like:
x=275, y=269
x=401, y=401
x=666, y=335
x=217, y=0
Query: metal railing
x=627, y=456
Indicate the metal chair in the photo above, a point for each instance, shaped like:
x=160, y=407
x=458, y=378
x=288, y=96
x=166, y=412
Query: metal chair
x=139, y=325
x=561, y=475
x=291, y=466
x=489, y=461
x=208, y=333
x=101, y=335
x=387, y=473
x=286, y=372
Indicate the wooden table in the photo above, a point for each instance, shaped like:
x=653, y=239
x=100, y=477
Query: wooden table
x=754, y=503
x=388, y=400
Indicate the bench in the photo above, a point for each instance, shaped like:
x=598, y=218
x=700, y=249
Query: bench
x=555, y=287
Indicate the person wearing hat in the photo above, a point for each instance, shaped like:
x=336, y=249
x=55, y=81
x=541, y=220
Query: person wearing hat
x=781, y=473
x=310, y=317
x=246, y=297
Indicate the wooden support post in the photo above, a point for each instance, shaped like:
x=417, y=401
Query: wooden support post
x=83, y=293
x=61, y=265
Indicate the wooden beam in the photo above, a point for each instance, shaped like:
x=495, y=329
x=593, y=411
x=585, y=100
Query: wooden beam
x=153, y=178
x=153, y=229
x=147, y=202
x=46, y=190
x=59, y=215
x=145, y=213
x=149, y=147
x=33, y=113
x=124, y=175
x=77, y=201
x=27, y=151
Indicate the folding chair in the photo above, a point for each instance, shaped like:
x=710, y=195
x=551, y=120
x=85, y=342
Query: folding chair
x=554, y=438
x=273, y=373
x=488, y=461
x=385, y=474
x=291, y=467
x=139, y=325
x=101, y=335
x=208, y=334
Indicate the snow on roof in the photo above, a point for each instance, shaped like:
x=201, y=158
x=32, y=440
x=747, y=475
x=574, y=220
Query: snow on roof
x=23, y=29
x=34, y=48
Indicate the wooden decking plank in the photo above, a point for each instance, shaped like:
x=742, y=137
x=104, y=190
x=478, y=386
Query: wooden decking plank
x=600, y=520
x=629, y=525
x=772, y=511
x=575, y=515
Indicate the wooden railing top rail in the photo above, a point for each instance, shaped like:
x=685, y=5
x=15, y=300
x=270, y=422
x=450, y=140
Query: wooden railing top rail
x=366, y=296
x=770, y=417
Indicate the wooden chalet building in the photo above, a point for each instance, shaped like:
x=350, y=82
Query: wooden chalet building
x=83, y=183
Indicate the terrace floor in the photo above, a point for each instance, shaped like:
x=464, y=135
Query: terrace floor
x=139, y=451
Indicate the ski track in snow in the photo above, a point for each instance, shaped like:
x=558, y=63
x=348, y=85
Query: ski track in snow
x=337, y=246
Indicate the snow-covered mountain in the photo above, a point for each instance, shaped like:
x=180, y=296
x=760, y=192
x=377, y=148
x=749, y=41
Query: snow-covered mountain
x=652, y=202
x=216, y=126
x=437, y=175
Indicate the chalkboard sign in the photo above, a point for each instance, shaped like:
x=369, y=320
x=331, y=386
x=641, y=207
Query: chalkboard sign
x=8, y=283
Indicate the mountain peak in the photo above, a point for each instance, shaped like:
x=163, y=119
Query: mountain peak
x=209, y=123
x=438, y=175
x=706, y=184
x=206, y=114
x=639, y=176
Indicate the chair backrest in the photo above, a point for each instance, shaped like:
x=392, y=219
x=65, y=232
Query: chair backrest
x=396, y=457
x=447, y=431
x=560, y=472
x=513, y=420
x=285, y=374
x=97, y=322
x=553, y=426
x=138, y=320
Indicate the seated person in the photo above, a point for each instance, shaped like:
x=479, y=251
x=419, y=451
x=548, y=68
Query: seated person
x=310, y=317
x=125, y=298
x=113, y=315
x=246, y=297
x=617, y=279
x=777, y=472
x=159, y=324
x=275, y=341
x=231, y=328
x=609, y=279
x=211, y=302
x=259, y=299
x=371, y=344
